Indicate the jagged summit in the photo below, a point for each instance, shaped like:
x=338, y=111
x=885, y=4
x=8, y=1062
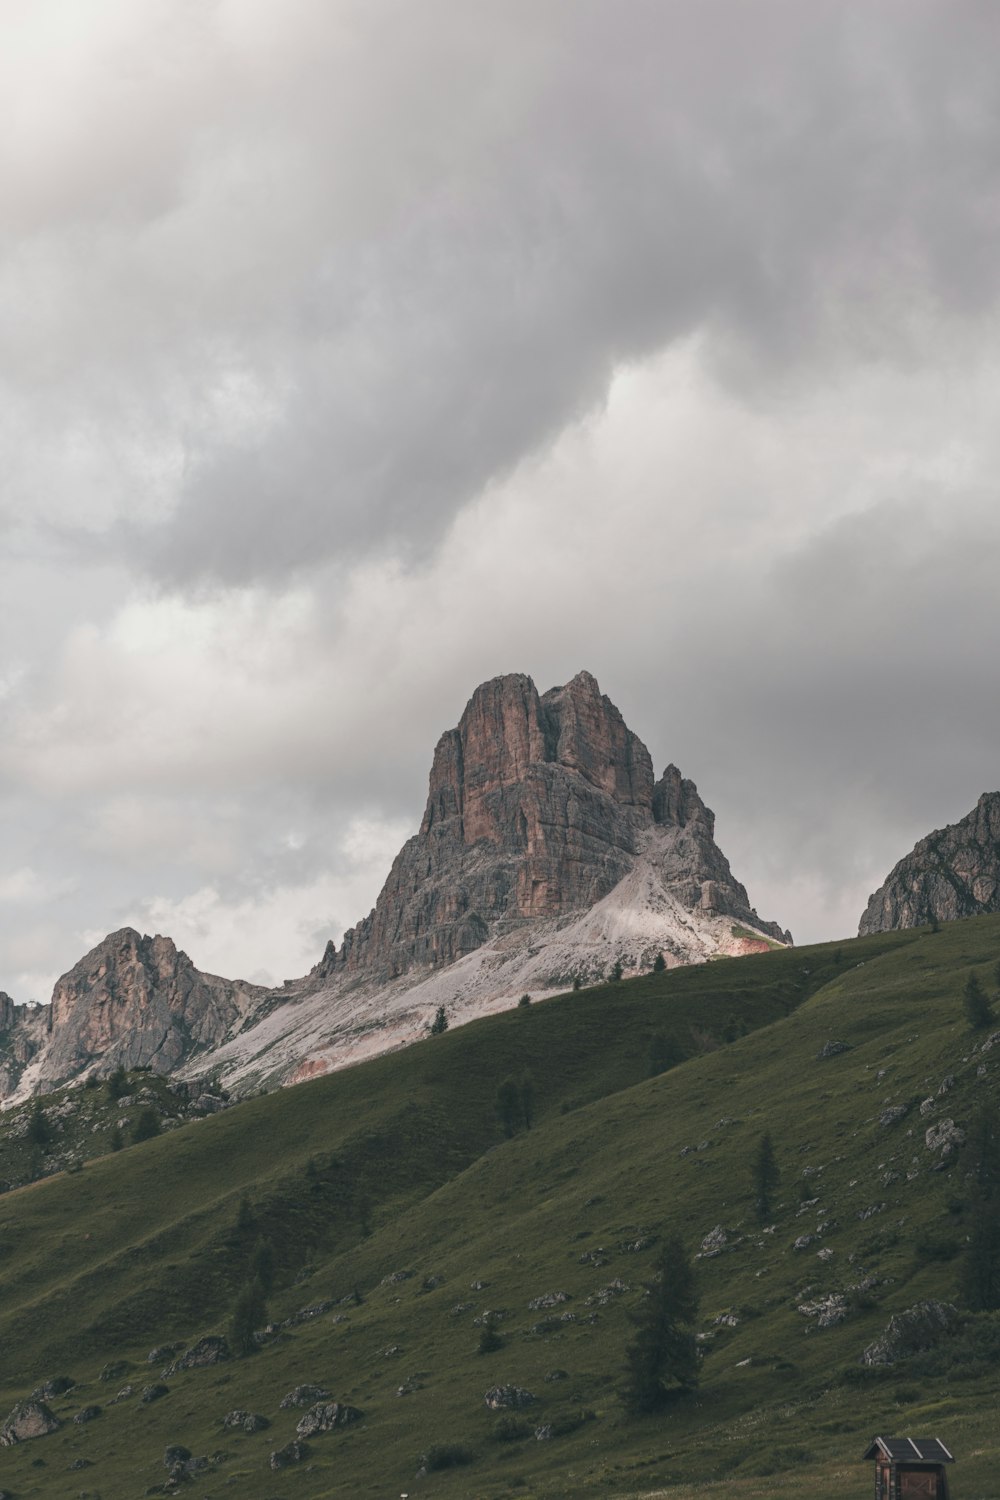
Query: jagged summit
x=547, y=852
x=538, y=806
x=953, y=872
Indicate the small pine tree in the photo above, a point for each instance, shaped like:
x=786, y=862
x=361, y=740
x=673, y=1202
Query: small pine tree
x=118, y=1085
x=440, y=1022
x=978, y=1011
x=616, y=972
x=489, y=1340
x=577, y=982
x=39, y=1132
x=980, y=1275
x=146, y=1126
x=116, y=1140
x=662, y=1359
x=659, y=964
x=935, y=925
x=664, y=1053
x=524, y=1000
x=765, y=1176
x=245, y=1219
x=526, y=1090
x=249, y=1314
x=262, y=1265
x=508, y=1106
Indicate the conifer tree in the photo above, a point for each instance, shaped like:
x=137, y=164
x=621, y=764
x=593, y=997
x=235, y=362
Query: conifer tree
x=146, y=1126
x=765, y=1176
x=980, y=1279
x=526, y=1092
x=249, y=1314
x=978, y=1011
x=659, y=964
x=440, y=1022
x=39, y=1132
x=662, y=1359
x=508, y=1106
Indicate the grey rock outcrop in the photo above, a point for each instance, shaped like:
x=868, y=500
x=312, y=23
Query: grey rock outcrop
x=537, y=807
x=508, y=1398
x=137, y=1002
x=953, y=872
x=918, y=1327
x=325, y=1416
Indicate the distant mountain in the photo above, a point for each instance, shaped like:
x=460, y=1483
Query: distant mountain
x=953, y=872
x=547, y=853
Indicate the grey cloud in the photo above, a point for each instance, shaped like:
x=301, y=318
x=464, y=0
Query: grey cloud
x=421, y=242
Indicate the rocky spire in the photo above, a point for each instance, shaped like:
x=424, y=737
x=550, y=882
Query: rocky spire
x=537, y=807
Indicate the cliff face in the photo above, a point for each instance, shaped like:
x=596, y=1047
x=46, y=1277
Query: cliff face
x=138, y=1001
x=953, y=872
x=23, y=1032
x=537, y=807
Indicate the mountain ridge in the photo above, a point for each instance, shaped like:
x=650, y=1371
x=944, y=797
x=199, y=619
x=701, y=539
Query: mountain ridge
x=547, y=852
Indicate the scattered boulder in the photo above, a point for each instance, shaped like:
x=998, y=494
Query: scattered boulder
x=547, y=1299
x=871, y=1211
x=208, y=1104
x=713, y=1244
x=828, y=1311
x=291, y=1453
x=211, y=1350
x=606, y=1294
x=161, y=1352
x=175, y=1454
x=325, y=1416
x=508, y=1398
x=303, y=1395
x=543, y=1434
x=916, y=1328
x=946, y=1085
x=832, y=1049
x=804, y=1241
x=87, y=1414
x=245, y=1421
x=557, y=1375
x=115, y=1369
x=928, y=1105
x=154, y=1392
x=395, y=1277
x=29, y=1419
x=893, y=1114
x=49, y=1389
x=945, y=1137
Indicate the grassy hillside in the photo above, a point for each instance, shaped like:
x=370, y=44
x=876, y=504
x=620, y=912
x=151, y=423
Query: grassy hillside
x=396, y=1205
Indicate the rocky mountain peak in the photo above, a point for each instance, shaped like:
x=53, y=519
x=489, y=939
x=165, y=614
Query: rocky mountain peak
x=953, y=872
x=538, y=805
x=138, y=1001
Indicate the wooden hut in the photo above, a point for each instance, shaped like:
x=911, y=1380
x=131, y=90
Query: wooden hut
x=910, y=1468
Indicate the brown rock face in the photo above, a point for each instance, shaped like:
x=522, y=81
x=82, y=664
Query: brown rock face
x=138, y=1001
x=537, y=807
x=953, y=872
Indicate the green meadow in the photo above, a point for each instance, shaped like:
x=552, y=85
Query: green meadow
x=396, y=1211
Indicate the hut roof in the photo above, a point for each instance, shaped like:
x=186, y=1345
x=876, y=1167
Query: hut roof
x=910, y=1450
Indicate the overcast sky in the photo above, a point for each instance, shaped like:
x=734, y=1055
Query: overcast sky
x=355, y=351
